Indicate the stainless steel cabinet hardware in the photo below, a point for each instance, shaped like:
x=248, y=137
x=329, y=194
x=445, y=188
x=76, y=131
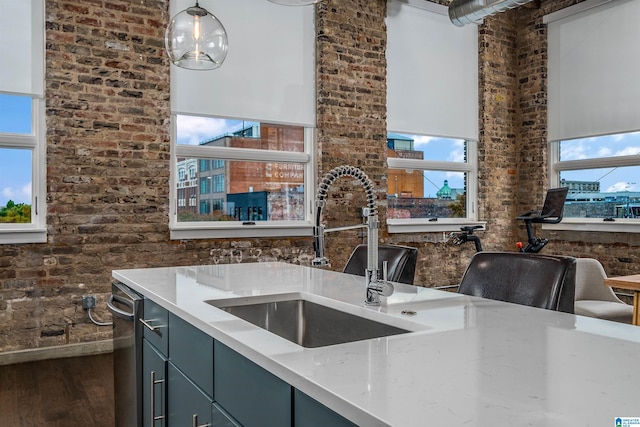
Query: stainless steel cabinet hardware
x=154, y=329
x=154, y=382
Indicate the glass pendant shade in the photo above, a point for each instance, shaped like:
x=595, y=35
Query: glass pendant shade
x=196, y=40
x=295, y=2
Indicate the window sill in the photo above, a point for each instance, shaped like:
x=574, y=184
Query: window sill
x=23, y=235
x=189, y=231
x=426, y=226
x=620, y=225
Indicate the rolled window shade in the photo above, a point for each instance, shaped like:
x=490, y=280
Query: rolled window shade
x=269, y=72
x=432, y=73
x=22, y=47
x=593, y=86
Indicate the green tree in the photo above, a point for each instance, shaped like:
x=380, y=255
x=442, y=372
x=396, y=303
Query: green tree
x=458, y=208
x=15, y=213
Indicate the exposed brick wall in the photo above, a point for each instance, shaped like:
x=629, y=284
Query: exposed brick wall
x=351, y=117
x=107, y=91
x=108, y=158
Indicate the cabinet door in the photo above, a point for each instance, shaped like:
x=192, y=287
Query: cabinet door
x=221, y=418
x=308, y=412
x=154, y=386
x=191, y=350
x=250, y=394
x=188, y=405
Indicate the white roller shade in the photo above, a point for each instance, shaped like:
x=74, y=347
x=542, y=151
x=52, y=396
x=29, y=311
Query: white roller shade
x=22, y=47
x=432, y=72
x=594, y=71
x=268, y=74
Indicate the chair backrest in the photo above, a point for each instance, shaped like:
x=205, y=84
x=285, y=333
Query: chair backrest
x=590, y=285
x=401, y=262
x=536, y=280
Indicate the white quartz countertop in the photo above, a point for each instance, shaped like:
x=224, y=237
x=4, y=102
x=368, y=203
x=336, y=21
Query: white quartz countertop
x=470, y=361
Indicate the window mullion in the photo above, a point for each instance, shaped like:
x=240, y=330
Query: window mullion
x=244, y=154
x=396, y=163
x=11, y=140
x=596, y=163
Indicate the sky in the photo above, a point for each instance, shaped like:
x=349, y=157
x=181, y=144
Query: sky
x=611, y=179
x=15, y=164
x=15, y=170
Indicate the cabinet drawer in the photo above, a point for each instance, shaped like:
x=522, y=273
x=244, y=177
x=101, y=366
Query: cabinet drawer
x=156, y=325
x=308, y=412
x=191, y=350
x=250, y=394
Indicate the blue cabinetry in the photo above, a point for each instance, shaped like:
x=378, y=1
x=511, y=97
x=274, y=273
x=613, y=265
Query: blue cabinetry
x=156, y=325
x=154, y=386
x=309, y=412
x=252, y=395
x=191, y=350
x=188, y=404
x=190, y=379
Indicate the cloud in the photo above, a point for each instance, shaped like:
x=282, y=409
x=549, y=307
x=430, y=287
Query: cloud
x=455, y=176
x=193, y=130
x=621, y=186
x=628, y=151
x=604, y=152
x=18, y=195
x=573, y=151
x=8, y=192
x=25, y=192
x=458, y=152
x=421, y=141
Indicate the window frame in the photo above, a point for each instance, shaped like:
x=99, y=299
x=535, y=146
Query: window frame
x=470, y=167
x=36, y=231
x=244, y=229
x=625, y=225
x=407, y=111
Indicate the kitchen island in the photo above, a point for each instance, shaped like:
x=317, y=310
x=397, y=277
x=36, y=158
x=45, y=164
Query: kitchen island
x=464, y=361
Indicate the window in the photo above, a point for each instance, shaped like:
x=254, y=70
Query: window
x=253, y=141
x=603, y=176
x=592, y=120
x=218, y=183
x=432, y=123
x=22, y=133
x=205, y=184
x=428, y=178
x=257, y=176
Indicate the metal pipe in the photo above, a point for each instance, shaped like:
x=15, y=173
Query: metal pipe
x=462, y=12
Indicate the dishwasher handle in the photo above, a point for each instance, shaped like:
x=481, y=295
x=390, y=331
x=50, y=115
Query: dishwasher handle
x=128, y=316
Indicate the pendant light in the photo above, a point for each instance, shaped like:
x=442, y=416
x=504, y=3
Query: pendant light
x=295, y=2
x=196, y=40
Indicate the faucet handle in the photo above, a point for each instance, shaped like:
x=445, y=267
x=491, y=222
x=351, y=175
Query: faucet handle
x=385, y=270
x=386, y=288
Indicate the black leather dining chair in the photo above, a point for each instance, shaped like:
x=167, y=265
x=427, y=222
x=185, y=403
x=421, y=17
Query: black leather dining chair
x=536, y=280
x=401, y=262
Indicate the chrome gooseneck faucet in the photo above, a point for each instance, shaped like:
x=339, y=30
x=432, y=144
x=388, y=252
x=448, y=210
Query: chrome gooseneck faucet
x=376, y=286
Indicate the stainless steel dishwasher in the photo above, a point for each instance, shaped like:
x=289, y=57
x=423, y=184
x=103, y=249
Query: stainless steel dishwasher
x=126, y=306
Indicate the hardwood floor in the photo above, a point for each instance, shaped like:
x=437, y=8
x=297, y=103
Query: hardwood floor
x=71, y=392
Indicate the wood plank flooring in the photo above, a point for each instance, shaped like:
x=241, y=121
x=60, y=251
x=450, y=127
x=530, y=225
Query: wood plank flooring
x=71, y=392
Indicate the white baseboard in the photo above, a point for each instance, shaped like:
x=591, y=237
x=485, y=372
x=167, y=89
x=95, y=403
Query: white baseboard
x=58, y=352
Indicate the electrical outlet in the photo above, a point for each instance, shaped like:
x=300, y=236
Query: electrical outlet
x=88, y=301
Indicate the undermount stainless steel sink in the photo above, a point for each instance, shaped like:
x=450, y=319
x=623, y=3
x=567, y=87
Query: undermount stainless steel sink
x=304, y=322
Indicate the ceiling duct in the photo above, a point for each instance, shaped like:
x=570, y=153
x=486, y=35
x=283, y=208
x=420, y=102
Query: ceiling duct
x=462, y=12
